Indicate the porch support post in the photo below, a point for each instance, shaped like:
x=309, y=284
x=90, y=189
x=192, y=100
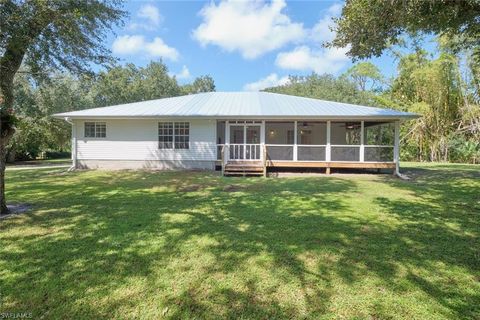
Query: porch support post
x=329, y=147
x=362, y=143
x=227, y=140
x=262, y=139
x=295, y=149
x=396, y=148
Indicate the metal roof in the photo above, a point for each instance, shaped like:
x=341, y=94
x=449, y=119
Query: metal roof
x=237, y=105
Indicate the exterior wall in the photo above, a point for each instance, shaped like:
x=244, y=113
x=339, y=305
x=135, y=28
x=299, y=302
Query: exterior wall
x=133, y=143
x=147, y=164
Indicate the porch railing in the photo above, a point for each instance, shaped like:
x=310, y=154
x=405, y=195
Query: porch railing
x=287, y=152
x=245, y=152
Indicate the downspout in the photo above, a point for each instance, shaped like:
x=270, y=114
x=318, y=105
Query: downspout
x=74, y=144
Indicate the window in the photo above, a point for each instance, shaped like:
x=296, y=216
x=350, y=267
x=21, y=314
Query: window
x=173, y=135
x=165, y=135
x=182, y=135
x=95, y=130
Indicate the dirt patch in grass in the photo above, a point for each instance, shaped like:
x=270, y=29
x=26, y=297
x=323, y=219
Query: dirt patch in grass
x=190, y=188
x=234, y=188
x=17, y=208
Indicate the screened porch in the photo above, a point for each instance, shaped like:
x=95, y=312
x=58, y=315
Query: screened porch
x=293, y=142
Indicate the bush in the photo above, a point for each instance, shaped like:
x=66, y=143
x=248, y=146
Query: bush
x=56, y=154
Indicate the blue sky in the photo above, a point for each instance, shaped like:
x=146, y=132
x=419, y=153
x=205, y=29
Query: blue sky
x=242, y=45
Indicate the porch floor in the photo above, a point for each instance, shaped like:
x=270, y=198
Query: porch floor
x=256, y=167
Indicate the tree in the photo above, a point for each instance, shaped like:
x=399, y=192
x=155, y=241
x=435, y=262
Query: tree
x=44, y=36
x=126, y=84
x=371, y=26
x=326, y=87
x=365, y=73
x=200, y=84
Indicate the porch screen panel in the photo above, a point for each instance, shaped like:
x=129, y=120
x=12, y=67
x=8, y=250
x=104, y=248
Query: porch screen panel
x=379, y=133
x=311, y=153
x=345, y=153
x=378, y=154
x=345, y=140
x=279, y=132
x=280, y=153
x=379, y=138
x=311, y=133
x=345, y=133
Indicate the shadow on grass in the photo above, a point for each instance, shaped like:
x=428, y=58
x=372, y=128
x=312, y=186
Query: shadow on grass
x=106, y=243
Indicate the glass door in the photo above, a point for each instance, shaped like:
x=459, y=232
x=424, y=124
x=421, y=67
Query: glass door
x=252, y=145
x=237, y=142
x=244, y=142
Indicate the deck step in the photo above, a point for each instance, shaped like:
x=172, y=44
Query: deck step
x=243, y=168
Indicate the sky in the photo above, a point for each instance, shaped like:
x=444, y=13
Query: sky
x=242, y=45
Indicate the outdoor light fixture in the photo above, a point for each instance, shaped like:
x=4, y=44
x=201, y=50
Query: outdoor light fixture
x=272, y=132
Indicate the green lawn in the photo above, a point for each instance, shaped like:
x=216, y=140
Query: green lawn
x=196, y=245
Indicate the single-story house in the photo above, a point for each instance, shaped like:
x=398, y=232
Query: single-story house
x=236, y=131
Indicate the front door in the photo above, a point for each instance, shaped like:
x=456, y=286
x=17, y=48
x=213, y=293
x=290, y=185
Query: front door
x=245, y=142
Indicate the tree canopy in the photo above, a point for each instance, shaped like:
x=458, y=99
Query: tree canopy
x=368, y=27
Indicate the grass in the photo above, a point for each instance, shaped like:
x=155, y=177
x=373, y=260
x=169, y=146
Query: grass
x=40, y=162
x=195, y=245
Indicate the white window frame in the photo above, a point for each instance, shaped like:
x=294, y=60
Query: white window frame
x=96, y=129
x=179, y=129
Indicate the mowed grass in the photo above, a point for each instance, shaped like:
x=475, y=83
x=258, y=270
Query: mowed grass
x=194, y=245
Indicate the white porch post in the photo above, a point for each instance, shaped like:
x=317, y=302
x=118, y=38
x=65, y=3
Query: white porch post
x=227, y=140
x=362, y=143
x=295, y=149
x=396, y=148
x=262, y=139
x=329, y=147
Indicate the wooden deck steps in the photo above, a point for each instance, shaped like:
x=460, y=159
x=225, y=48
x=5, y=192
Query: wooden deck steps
x=244, y=168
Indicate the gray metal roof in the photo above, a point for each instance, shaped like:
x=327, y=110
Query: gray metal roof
x=237, y=105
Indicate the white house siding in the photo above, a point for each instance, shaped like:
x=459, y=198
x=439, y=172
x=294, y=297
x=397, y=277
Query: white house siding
x=133, y=143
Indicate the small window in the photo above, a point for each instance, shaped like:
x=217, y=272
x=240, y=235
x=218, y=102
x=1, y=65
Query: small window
x=95, y=130
x=173, y=135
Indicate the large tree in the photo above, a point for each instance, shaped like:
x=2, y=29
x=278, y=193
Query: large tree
x=45, y=35
x=370, y=26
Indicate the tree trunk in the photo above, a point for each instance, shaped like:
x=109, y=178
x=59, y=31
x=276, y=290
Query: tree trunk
x=3, y=202
x=9, y=65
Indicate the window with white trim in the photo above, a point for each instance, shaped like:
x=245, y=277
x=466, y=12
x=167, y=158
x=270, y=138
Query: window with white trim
x=173, y=135
x=95, y=130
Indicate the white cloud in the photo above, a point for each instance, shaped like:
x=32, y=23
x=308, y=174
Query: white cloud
x=318, y=59
x=184, y=74
x=271, y=80
x=136, y=44
x=149, y=18
x=321, y=31
x=322, y=60
x=250, y=27
x=151, y=14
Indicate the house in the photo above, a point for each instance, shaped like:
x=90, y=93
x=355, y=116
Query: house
x=236, y=131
